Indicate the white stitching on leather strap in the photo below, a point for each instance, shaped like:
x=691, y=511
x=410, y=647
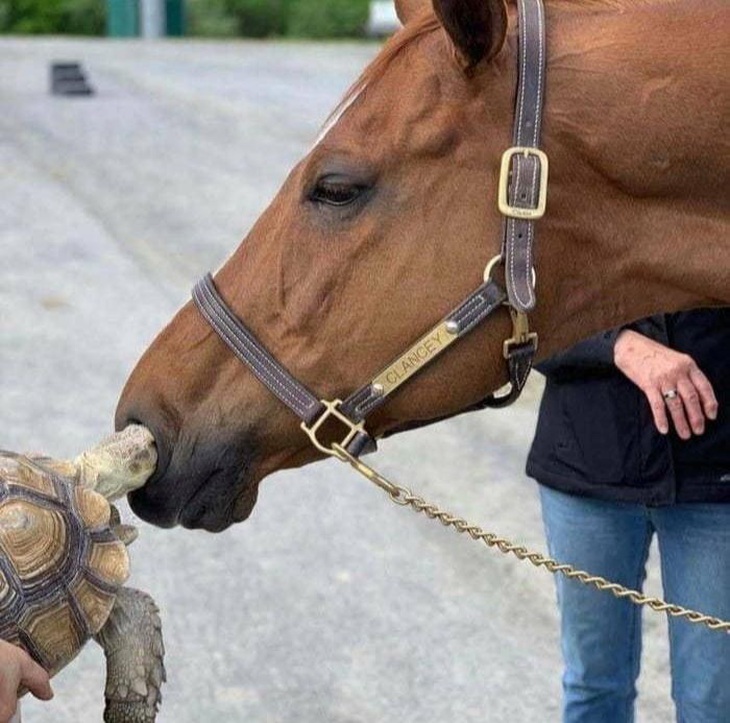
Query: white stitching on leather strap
x=481, y=308
x=269, y=370
x=512, y=226
x=540, y=70
x=227, y=329
x=471, y=312
x=523, y=71
x=531, y=236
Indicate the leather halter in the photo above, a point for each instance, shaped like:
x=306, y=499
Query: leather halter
x=522, y=197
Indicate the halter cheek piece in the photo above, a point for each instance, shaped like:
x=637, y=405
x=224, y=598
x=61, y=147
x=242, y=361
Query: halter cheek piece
x=522, y=197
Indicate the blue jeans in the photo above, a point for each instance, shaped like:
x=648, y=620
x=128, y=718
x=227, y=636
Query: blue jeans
x=601, y=635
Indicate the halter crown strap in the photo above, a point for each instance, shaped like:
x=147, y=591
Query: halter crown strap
x=523, y=182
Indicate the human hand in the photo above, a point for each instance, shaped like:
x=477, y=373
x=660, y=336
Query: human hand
x=18, y=669
x=658, y=371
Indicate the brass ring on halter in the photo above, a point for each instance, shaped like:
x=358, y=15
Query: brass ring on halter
x=490, y=266
x=498, y=259
x=669, y=395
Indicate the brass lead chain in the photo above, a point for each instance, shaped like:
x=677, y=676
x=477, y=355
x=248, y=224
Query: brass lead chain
x=405, y=498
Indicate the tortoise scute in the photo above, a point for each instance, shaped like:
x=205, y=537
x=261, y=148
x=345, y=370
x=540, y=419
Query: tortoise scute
x=35, y=478
x=6, y=593
x=94, y=602
x=32, y=537
x=55, y=633
x=4, y=589
x=93, y=508
x=110, y=561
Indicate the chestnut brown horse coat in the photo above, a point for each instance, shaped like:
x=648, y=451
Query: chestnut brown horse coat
x=389, y=221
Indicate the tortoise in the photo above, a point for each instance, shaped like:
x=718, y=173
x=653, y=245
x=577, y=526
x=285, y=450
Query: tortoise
x=63, y=562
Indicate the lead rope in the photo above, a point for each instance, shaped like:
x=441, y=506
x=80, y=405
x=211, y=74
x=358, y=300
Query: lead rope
x=403, y=497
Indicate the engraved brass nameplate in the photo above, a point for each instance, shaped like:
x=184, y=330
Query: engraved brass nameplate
x=426, y=348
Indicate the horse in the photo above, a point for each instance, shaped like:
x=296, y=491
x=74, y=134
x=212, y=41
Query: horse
x=391, y=218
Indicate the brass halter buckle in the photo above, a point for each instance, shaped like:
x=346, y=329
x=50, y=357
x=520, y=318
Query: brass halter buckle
x=332, y=410
x=529, y=214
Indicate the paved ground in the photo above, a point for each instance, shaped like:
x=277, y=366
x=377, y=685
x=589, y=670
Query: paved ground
x=330, y=605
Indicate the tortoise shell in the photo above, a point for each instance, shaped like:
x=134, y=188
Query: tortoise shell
x=60, y=563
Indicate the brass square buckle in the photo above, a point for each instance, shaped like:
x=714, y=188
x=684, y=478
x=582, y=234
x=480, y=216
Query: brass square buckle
x=332, y=410
x=530, y=214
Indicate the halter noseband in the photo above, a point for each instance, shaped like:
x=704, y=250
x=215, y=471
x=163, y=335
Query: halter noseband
x=522, y=196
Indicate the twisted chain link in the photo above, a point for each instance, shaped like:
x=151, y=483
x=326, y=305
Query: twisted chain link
x=405, y=498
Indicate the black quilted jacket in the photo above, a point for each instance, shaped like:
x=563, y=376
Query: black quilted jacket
x=595, y=434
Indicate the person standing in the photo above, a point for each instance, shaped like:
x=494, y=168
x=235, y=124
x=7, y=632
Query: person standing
x=633, y=441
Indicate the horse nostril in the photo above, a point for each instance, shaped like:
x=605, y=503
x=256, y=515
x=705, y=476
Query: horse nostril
x=124, y=416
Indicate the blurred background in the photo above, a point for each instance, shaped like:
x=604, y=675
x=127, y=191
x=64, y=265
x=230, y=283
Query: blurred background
x=330, y=604
x=200, y=18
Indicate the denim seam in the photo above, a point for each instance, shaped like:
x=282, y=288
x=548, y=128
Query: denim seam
x=635, y=621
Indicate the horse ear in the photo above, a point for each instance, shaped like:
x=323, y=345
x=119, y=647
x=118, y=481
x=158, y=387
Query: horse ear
x=409, y=9
x=477, y=28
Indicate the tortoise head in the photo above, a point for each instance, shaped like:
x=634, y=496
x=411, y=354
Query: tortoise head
x=119, y=464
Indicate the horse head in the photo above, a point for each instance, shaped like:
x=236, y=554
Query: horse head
x=383, y=227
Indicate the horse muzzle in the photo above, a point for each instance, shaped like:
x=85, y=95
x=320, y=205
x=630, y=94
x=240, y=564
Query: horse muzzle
x=199, y=483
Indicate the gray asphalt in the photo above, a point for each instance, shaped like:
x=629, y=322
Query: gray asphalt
x=330, y=604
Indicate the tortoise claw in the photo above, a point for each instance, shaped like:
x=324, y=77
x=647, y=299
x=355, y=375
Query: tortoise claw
x=125, y=533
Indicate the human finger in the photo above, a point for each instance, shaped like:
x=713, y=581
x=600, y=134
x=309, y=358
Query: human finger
x=674, y=404
x=706, y=392
x=35, y=678
x=693, y=409
x=658, y=410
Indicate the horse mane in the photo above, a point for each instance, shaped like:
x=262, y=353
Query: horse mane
x=426, y=23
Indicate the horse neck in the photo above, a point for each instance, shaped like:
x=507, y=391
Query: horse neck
x=638, y=216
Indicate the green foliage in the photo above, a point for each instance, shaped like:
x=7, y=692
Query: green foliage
x=29, y=16
x=327, y=18
x=217, y=18
x=271, y=18
x=83, y=17
x=78, y=17
x=211, y=18
x=258, y=18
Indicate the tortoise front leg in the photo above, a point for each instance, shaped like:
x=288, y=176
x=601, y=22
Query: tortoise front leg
x=135, y=670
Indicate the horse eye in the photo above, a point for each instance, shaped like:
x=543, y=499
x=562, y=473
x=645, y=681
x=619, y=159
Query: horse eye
x=336, y=191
